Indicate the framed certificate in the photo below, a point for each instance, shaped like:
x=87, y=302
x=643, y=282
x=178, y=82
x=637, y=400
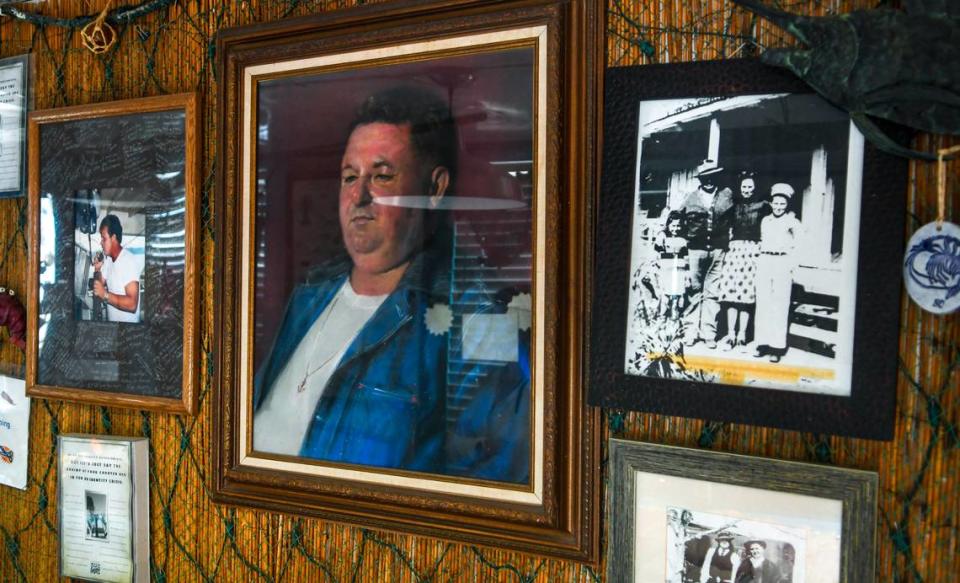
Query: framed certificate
x=14, y=103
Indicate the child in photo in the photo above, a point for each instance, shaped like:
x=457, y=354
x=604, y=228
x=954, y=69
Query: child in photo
x=778, y=237
x=674, y=266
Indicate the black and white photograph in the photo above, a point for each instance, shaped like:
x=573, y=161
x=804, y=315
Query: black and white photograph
x=743, y=268
x=744, y=242
x=109, y=244
x=96, y=515
x=681, y=515
x=712, y=548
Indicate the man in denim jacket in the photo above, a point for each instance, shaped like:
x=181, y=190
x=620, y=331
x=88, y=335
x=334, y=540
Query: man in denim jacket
x=360, y=367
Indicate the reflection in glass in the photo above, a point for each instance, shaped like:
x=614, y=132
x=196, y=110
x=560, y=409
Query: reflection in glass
x=112, y=247
x=430, y=373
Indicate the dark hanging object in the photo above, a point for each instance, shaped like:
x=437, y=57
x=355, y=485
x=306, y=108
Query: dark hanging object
x=85, y=210
x=13, y=316
x=902, y=66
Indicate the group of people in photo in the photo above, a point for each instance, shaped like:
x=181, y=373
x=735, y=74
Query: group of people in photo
x=726, y=258
x=724, y=563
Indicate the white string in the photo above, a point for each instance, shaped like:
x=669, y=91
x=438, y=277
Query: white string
x=942, y=184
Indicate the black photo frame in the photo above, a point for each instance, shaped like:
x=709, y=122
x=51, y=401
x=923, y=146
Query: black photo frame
x=868, y=410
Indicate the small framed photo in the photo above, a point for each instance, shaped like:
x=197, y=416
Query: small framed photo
x=402, y=243
x=692, y=516
x=756, y=284
x=113, y=214
x=15, y=94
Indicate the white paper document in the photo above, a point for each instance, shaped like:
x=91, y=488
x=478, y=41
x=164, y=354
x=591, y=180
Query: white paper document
x=12, y=104
x=97, y=506
x=14, y=432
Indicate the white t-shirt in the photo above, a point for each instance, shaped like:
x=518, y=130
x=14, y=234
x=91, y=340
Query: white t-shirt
x=281, y=423
x=117, y=274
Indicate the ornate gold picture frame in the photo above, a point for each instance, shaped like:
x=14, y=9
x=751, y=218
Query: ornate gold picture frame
x=403, y=219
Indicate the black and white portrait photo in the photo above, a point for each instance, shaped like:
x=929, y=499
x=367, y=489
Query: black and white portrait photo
x=745, y=234
x=712, y=548
x=96, y=515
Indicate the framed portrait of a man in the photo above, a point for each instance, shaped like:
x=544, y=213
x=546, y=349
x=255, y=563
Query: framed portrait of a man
x=113, y=219
x=393, y=200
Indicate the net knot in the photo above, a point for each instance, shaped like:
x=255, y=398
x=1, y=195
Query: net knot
x=98, y=36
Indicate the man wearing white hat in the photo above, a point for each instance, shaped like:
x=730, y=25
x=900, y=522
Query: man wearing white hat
x=779, y=232
x=707, y=241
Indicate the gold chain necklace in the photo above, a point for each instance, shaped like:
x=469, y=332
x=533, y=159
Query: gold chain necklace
x=326, y=316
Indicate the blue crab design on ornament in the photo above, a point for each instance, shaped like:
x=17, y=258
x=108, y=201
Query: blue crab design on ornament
x=932, y=268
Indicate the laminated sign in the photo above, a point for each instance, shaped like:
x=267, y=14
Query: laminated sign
x=104, y=514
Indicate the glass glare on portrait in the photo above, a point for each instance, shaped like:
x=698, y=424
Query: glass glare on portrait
x=136, y=172
x=48, y=264
x=453, y=203
x=490, y=337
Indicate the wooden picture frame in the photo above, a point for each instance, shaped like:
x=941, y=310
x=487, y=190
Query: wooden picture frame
x=136, y=161
x=684, y=500
x=678, y=135
x=519, y=84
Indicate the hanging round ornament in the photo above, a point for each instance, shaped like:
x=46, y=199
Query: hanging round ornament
x=98, y=36
x=931, y=268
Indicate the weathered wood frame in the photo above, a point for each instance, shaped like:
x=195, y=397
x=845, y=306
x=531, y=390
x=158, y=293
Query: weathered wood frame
x=856, y=489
